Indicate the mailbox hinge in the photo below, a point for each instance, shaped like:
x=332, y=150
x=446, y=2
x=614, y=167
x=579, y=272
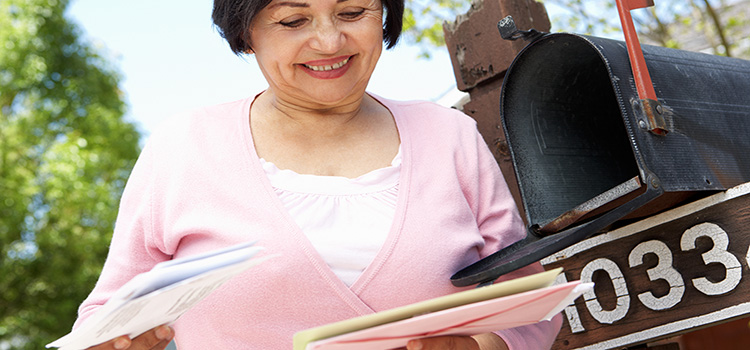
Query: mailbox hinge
x=509, y=31
x=654, y=117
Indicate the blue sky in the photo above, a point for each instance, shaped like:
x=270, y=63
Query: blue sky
x=172, y=59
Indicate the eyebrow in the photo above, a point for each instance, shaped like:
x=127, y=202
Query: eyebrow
x=290, y=4
x=297, y=4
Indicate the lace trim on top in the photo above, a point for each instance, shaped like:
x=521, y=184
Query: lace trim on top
x=346, y=220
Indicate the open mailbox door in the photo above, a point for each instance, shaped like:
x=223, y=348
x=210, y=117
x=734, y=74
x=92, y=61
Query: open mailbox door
x=584, y=148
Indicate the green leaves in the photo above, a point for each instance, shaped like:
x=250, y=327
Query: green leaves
x=423, y=20
x=714, y=26
x=65, y=154
x=670, y=23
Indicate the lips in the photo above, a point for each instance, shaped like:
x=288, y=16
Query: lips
x=328, y=68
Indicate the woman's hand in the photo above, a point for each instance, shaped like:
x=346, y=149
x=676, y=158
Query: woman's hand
x=155, y=339
x=487, y=341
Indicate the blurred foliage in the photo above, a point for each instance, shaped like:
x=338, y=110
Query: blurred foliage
x=423, y=20
x=714, y=26
x=670, y=23
x=65, y=154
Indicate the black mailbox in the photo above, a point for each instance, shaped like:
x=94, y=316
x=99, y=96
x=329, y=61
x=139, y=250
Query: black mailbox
x=582, y=148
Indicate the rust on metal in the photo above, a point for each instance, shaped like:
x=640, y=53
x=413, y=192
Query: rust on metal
x=591, y=207
x=641, y=76
x=655, y=116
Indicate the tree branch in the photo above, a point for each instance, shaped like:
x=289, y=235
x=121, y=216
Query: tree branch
x=719, y=28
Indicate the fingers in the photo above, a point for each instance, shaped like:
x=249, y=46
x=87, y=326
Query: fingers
x=443, y=343
x=119, y=343
x=155, y=339
x=490, y=341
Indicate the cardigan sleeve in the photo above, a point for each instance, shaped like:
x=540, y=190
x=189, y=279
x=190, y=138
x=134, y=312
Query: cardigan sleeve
x=500, y=224
x=131, y=250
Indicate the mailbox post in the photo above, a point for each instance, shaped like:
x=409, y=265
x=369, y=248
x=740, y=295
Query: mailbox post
x=574, y=131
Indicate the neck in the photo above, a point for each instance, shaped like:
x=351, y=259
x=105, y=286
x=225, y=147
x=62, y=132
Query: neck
x=316, y=118
x=349, y=140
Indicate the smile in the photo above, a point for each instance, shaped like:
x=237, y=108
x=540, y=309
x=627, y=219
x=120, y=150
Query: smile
x=328, y=67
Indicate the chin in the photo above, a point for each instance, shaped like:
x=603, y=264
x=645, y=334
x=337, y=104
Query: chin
x=337, y=97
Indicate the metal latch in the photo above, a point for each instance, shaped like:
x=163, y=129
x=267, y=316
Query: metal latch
x=654, y=112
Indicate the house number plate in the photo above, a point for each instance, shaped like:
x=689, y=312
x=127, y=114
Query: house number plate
x=667, y=274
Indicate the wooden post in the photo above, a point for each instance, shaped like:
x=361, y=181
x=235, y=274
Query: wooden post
x=480, y=58
x=676, y=272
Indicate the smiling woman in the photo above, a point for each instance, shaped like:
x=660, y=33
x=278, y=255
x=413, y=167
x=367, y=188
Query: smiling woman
x=234, y=27
x=316, y=36
x=363, y=196
x=197, y=69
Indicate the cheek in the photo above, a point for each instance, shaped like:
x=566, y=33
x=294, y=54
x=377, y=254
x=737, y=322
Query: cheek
x=271, y=67
x=376, y=35
x=274, y=57
x=375, y=41
x=370, y=36
x=273, y=44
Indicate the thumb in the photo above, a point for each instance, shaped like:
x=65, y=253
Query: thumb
x=443, y=343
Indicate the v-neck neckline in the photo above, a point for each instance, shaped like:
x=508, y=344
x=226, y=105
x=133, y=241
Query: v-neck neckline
x=350, y=294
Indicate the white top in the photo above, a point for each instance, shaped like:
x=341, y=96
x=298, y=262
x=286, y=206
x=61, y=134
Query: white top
x=346, y=220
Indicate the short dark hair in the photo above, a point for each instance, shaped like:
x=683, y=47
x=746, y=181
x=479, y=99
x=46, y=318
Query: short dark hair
x=233, y=19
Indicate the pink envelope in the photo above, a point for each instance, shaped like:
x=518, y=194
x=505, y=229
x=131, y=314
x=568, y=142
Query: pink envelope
x=481, y=317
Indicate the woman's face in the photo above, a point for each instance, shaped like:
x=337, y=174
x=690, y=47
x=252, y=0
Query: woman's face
x=318, y=53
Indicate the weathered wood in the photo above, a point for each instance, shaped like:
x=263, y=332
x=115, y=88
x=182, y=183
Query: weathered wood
x=674, y=272
x=480, y=58
x=478, y=52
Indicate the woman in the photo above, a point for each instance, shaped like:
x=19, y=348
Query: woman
x=372, y=203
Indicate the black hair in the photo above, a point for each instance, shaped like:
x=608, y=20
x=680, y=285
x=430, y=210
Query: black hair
x=234, y=17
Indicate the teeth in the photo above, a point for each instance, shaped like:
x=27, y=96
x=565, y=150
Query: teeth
x=327, y=68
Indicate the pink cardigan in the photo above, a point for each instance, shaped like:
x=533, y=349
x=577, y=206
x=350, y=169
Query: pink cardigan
x=198, y=185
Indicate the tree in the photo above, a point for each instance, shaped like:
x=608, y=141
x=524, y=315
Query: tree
x=721, y=24
x=423, y=19
x=715, y=26
x=65, y=154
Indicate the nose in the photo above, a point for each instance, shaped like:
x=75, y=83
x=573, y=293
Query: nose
x=328, y=38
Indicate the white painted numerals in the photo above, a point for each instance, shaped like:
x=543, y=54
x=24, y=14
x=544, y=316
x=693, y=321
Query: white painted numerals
x=662, y=271
x=621, y=291
x=570, y=311
x=717, y=254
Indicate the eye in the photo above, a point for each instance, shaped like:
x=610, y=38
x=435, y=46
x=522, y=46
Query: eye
x=293, y=23
x=352, y=14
